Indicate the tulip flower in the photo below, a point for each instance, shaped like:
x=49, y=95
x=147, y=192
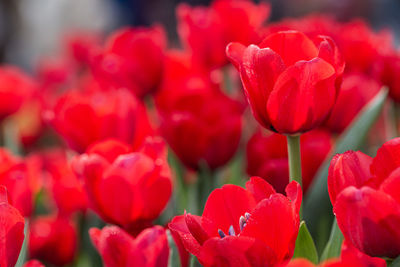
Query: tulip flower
x=83, y=118
x=364, y=192
x=243, y=227
x=11, y=231
x=133, y=58
x=16, y=174
x=358, y=90
x=64, y=186
x=53, y=239
x=205, y=31
x=199, y=122
x=267, y=157
x=127, y=188
x=291, y=84
x=149, y=249
x=16, y=87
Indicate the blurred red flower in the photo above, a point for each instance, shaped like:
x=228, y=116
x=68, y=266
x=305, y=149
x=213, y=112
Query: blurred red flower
x=53, y=239
x=267, y=157
x=64, y=186
x=357, y=90
x=149, y=249
x=83, y=118
x=205, y=31
x=15, y=88
x=199, y=122
x=11, y=231
x=290, y=81
x=126, y=188
x=365, y=194
x=239, y=227
x=132, y=58
x=21, y=179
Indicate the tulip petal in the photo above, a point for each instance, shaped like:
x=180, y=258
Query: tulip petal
x=235, y=52
x=348, y=169
x=275, y=223
x=391, y=185
x=259, y=188
x=180, y=230
x=387, y=159
x=259, y=70
x=233, y=251
x=224, y=207
x=369, y=219
x=292, y=46
x=302, y=97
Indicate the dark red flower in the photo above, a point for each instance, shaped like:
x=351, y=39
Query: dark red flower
x=290, y=81
x=365, y=195
x=357, y=90
x=243, y=227
x=126, y=188
x=16, y=175
x=64, y=186
x=15, y=88
x=53, y=239
x=133, y=58
x=205, y=31
x=11, y=231
x=389, y=75
x=199, y=122
x=83, y=118
x=267, y=157
x=118, y=249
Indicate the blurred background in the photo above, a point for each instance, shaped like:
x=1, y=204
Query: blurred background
x=30, y=29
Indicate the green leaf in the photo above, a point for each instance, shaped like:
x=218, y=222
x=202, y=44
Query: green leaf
x=395, y=262
x=334, y=245
x=317, y=203
x=305, y=247
x=173, y=259
x=24, y=251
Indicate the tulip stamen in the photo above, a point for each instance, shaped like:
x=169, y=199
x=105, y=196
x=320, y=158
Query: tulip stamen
x=231, y=231
x=221, y=233
x=243, y=220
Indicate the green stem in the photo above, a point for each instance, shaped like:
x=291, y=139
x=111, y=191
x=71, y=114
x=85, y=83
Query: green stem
x=294, y=158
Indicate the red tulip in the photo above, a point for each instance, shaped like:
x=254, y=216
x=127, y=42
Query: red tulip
x=53, y=239
x=11, y=231
x=33, y=263
x=389, y=75
x=15, y=88
x=290, y=81
x=205, y=31
x=149, y=249
x=133, y=58
x=365, y=195
x=267, y=157
x=83, y=118
x=64, y=186
x=199, y=122
x=126, y=188
x=356, y=91
x=243, y=227
x=349, y=257
x=21, y=183
x=362, y=48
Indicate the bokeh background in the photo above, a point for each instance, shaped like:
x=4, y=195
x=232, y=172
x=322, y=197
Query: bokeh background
x=30, y=29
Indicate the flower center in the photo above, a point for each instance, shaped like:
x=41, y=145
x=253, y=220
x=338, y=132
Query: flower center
x=242, y=223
